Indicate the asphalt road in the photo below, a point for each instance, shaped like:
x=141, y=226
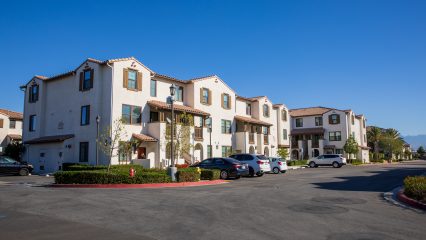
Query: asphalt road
x=322, y=203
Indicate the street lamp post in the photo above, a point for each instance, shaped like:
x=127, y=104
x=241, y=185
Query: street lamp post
x=172, y=168
x=98, y=119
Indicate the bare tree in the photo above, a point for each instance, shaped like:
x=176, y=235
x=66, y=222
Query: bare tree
x=110, y=140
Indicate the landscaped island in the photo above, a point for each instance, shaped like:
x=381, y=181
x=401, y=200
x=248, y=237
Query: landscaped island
x=120, y=174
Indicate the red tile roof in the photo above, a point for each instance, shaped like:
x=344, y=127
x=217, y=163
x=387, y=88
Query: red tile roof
x=312, y=111
x=49, y=139
x=12, y=114
x=15, y=136
x=177, y=107
x=143, y=137
x=251, y=120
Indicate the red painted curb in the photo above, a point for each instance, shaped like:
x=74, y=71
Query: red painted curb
x=146, y=185
x=409, y=201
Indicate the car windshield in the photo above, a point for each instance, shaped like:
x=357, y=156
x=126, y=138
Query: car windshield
x=231, y=160
x=262, y=157
x=7, y=160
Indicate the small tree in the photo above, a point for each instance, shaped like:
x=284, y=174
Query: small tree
x=351, y=147
x=421, y=151
x=182, y=137
x=110, y=140
x=14, y=150
x=283, y=153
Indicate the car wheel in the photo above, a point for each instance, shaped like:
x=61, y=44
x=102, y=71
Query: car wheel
x=336, y=164
x=251, y=172
x=23, y=172
x=259, y=174
x=276, y=170
x=312, y=164
x=223, y=174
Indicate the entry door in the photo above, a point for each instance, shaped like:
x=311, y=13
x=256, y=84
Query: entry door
x=141, y=153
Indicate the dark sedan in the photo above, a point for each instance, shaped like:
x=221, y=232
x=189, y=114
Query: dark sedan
x=10, y=166
x=228, y=167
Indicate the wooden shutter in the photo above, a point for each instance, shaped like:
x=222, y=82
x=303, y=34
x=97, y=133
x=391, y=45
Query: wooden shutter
x=201, y=95
x=330, y=119
x=80, y=88
x=222, y=100
x=1, y=123
x=38, y=92
x=30, y=94
x=229, y=102
x=91, y=77
x=210, y=97
x=338, y=119
x=125, y=77
x=139, y=82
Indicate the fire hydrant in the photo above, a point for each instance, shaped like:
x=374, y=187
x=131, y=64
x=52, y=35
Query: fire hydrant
x=132, y=172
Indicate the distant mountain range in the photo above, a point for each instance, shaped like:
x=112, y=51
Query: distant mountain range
x=416, y=141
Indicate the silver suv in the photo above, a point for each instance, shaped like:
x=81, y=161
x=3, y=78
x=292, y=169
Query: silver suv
x=335, y=160
x=258, y=164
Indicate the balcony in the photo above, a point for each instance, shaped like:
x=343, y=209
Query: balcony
x=198, y=133
x=251, y=138
x=294, y=144
x=265, y=139
x=315, y=144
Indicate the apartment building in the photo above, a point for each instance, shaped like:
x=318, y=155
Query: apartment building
x=321, y=130
x=62, y=115
x=10, y=128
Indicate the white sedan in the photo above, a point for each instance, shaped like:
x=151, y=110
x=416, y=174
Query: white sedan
x=278, y=165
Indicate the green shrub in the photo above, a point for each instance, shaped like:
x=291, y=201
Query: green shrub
x=377, y=161
x=297, y=163
x=415, y=187
x=210, y=174
x=103, y=177
x=356, y=162
x=188, y=175
x=81, y=167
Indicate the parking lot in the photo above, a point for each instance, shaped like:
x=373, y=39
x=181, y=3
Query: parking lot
x=320, y=203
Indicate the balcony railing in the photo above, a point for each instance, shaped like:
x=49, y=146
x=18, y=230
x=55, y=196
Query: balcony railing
x=198, y=133
x=251, y=138
x=266, y=139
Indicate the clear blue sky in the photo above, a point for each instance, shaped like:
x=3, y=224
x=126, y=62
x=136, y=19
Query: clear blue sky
x=369, y=56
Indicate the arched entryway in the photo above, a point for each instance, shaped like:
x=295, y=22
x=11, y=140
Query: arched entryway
x=266, y=151
x=198, y=152
x=251, y=150
x=295, y=154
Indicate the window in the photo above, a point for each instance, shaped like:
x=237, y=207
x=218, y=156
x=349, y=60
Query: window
x=339, y=151
x=122, y=154
x=353, y=120
x=226, y=151
x=209, y=151
x=248, y=108
x=265, y=110
x=153, y=89
x=205, y=96
x=131, y=115
x=132, y=79
x=334, y=119
x=265, y=130
x=285, y=134
x=33, y=122
x=85, y=115
x=33, y=96
x=1, y=123
x=86, y=80
x=84, y=152
x=318, y=121
x=353, y=134
x=200, y=121
x=226, y=126
x=12, y=124
x=154, y=117
x=299, y=122
x=335, y=136
x=179, y=94
x=284, y=115
x=226, y=101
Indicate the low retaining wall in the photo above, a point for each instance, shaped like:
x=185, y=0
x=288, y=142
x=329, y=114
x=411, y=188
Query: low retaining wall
x=146, y=185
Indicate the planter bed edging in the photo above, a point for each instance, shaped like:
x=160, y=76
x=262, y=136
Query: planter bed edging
x=145, y=185
x=409, y=201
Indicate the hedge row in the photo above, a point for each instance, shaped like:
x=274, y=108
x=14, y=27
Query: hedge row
x=188, y=175
x=210, y=174
x=415, y=187
x=103, y=177
x=356, y=162
x=297, y=163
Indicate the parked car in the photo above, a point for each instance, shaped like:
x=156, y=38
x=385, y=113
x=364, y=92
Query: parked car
x=258, y=164
x=228, y=167
x=335, y=160
x=11, y=166
x=278, y=165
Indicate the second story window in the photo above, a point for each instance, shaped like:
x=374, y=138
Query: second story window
x=85, y=115
x=318, y=121
x=131, y=114
x=205, y=96
x=33, y=122
x=335, y=136
x=299, y=122
x=226, y=101
x=285, y=134
x=86, y=80
x=179, y=94
x=12, y=124
x=153, y=88
x=248, y=108
x=132, y=79
x=265, y=110
x=33, y=96
x=284, y=115
x=334, y=119
x=226, y=126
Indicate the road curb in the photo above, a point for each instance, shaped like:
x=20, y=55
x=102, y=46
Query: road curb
x=409, y=201
x=146, y=185
x=392, y=198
